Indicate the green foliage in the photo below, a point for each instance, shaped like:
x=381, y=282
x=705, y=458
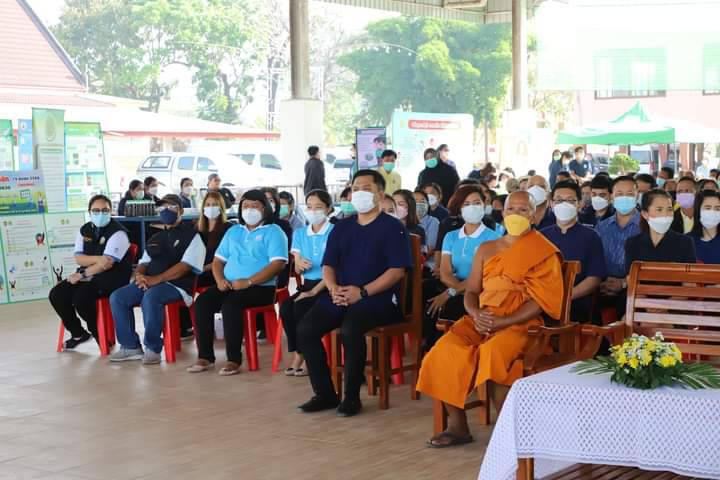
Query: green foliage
x=453, y=67
x=126, y=45
x=623, y=163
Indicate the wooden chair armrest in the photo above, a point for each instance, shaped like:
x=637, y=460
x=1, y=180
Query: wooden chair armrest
x=539, y=337
x=592, y=336
x=536, y=330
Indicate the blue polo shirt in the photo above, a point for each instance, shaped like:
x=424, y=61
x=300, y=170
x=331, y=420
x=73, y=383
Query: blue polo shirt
x=361, y=253
x=247, y=252
x=613, y=238
x=582, y=244
x=311, y=246
x=461, y=248
x=707, y=252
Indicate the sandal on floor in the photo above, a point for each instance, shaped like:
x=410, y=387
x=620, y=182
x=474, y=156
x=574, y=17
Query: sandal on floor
x=454, y=440
x=301, y=372
x=230, y=368
x=200, y=367
x=289, y=372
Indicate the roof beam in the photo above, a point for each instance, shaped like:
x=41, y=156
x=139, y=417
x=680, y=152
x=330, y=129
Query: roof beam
x=419, y=8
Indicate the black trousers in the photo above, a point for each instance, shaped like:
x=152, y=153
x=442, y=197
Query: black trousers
x=354, y=321
x=205, y=279
x=231, y=304
x=70, y=300
x=454, y=309
x=291, y=311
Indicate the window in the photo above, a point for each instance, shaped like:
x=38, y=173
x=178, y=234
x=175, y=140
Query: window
x=156, y=162
x=205, y=165
x=711, y=70
x=248, y=158
x=630, y=73
x=270, y=161
x=186, y=163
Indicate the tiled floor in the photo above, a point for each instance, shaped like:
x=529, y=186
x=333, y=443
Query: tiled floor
x=74, y=416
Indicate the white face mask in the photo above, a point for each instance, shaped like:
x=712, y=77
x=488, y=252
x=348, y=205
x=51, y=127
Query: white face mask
x=139, y=195
x=473, y=214
x=660, y=224
x=212, y=212
x=432, y=199
x=153, y=190
x=363, y=201
x=565, y=212
x=316, y=217
x=488, y=210
x=709, y=218
x=252, y=216
x=599, y=203
x=401, y=213
x=187, y=191
x=538, y=193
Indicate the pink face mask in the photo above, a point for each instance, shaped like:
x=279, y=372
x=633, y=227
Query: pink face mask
x=686, y=200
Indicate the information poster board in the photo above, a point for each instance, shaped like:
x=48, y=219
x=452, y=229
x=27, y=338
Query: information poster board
x=7, y=150
x=27, y=257
x=62, y=228
x=22, y=193
x=48, y=132
x=25, y=146
x=370, y=144
x=3, y=283
x=84, y=164
x=413, y=132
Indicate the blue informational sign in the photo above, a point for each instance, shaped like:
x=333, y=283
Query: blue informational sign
x=25, y=145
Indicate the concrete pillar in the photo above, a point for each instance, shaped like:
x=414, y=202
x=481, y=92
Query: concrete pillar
x=519, y=55
x=300, y=49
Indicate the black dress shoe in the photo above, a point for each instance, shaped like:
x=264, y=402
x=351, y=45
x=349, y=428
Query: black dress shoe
x=349, y=407
x=71, y=343
x=318, y=404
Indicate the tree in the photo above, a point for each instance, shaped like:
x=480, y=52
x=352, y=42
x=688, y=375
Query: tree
x=432, y=65
x=623, y=163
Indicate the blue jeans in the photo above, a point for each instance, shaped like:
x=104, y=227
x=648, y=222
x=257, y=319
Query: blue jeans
x=152, y=302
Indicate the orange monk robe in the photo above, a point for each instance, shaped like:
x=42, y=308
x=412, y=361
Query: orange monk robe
x=531, y=269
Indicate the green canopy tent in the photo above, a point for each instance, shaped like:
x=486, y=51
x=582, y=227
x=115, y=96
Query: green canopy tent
x=633, y=127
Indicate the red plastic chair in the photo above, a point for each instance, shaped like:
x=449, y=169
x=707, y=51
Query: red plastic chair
x=250, y=331
x=281, y=295
x=171, y=330
x=105, y=324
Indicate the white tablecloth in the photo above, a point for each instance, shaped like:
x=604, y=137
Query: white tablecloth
x=561, y=418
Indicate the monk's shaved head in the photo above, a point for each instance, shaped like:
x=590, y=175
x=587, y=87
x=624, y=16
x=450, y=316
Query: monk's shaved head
x=519, y=201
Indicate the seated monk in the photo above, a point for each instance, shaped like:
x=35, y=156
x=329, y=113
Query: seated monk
x=512, y=281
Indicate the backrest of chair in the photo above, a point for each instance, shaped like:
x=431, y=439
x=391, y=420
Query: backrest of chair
x=570, y=269
x=682, y=301
x=412, y=285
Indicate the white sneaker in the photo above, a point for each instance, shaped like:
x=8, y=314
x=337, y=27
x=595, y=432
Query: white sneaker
x=127, y=355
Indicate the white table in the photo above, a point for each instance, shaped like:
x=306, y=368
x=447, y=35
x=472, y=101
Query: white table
x=560, y=418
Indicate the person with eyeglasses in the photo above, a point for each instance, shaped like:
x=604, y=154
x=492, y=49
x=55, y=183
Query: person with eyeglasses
x=444, y=297
x=576, y=242
x=308, y=249
x=104, y=265
x=165, y=274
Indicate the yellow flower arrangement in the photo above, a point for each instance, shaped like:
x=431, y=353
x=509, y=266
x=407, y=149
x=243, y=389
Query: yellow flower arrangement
x=642, y=362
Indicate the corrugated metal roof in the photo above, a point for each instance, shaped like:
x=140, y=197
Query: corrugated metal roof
x=29, y=54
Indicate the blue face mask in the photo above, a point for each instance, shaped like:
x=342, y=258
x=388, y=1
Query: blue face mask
x=100, y=219
x=168, y=217
x=624, y=205
x=660, y=182
x=432, y=163
x=388, y=166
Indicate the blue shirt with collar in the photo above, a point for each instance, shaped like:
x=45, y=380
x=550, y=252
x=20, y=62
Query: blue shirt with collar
x=613, y=239
x=246, y=252
x=462, y=247
x=431, y=225
x=311, y=246
x=579, y=243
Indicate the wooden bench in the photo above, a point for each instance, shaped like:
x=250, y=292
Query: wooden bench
x=548, y=347
x=680, y=301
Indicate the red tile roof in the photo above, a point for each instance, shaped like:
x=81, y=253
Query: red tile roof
x=30, y=56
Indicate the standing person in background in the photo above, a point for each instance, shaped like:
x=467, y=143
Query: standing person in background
x=151, y=188
x=136, y=191
x=703, y=171
x=560, y=162
x=705, y=228
x=435, y=200
x=443, y=153
x=580, y=167
x=213, y=185
x=441, y=173
x=684, y=216
x=186, y=193
x=393, y=181
x=288, y=211
x=314, y=171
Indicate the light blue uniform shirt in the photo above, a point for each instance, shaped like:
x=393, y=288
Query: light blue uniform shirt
x=247, y=252
x=311, y=246
x=461, y=248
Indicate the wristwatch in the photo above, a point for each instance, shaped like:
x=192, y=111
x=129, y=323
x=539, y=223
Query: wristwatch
x=452, y=292
x=364, y=293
